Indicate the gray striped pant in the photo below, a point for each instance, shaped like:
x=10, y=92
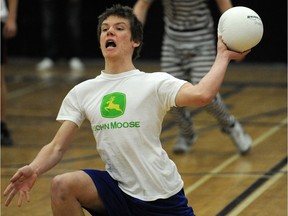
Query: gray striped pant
x=191, y=60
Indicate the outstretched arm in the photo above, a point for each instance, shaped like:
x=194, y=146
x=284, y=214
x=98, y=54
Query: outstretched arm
x=204, y=92
x=25, y=177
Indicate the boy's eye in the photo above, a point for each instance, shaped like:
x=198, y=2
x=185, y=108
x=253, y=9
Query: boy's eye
x=116, y=27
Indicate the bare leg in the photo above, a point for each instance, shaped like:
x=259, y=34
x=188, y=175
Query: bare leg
x=72, y=191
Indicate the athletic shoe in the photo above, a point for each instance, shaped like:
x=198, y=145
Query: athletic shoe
x=241, y=140
x=183, y=144
x=45, y=64
x=76, y=64
x=6, y=139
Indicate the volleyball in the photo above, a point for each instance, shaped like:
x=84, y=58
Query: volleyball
x=241, y=28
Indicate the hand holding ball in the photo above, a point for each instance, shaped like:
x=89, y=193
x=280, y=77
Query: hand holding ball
x=241, y=28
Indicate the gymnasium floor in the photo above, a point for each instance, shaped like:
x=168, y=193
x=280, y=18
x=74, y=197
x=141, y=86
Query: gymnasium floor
x=218, y=181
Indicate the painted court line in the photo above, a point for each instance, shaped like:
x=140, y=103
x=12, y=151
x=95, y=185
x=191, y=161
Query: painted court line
x=228, y=161
x=254, y=187
x=244, y=204
x=27, y=90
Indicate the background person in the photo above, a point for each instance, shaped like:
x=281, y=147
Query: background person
x=55, y=15
x=188, y=52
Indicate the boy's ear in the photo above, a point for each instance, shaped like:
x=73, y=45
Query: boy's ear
x=136, y=44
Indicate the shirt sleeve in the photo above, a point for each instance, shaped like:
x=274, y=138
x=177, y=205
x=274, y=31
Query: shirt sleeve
x=70, y=109
x=168, y=88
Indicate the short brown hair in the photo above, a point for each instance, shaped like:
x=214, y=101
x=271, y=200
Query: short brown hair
x=135, y=25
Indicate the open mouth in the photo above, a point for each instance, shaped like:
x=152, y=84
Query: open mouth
x=110, y=43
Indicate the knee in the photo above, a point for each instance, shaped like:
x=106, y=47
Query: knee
x=59, y=187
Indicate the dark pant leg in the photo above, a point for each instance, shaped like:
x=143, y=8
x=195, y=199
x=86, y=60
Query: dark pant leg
x=73, y=14
x=49, y=30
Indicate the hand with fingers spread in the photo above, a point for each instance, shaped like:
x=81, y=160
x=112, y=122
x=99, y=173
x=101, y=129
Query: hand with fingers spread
x=20, y=183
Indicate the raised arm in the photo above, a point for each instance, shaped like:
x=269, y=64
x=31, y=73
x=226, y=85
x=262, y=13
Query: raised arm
x=204, y=92
x=223, y=5
x=25, y=177
x=141, y=8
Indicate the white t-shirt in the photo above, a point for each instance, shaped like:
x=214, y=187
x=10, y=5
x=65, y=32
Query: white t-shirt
x=126, y=112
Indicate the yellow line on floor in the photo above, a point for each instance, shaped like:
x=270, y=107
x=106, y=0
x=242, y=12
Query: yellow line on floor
x=228, y=161
x=27, y=90
x=256, y=194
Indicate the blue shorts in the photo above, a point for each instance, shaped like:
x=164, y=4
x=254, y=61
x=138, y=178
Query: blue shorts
x=117, y=203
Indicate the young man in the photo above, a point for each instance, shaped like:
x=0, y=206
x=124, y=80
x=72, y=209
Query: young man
x=126, y=108
x=188, y=52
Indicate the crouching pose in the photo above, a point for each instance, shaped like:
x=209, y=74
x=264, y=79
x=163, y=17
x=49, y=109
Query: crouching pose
x=125, y=107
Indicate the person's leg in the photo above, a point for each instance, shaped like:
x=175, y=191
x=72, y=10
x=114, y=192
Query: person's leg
x=72, y=191
x=186, y=136
x=3, y=95
x=227, y=122
x=74, y=26
x=205, y=59
x=171, y=63
x=6, y=138
x=49, y=34
x=73, y=11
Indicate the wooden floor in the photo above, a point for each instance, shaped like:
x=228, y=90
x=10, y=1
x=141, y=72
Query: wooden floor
x=218, y=181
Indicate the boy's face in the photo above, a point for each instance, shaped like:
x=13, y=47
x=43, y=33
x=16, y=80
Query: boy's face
x=115, y=38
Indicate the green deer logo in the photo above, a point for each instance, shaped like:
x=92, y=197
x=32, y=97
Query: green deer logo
x=113, y=105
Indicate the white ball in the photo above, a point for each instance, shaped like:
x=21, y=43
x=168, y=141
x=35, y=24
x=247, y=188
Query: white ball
x=241, y=28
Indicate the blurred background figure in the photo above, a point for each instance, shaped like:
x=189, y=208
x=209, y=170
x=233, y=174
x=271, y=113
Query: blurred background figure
x=188, y=52
x=9, y=30
x=61, y=19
